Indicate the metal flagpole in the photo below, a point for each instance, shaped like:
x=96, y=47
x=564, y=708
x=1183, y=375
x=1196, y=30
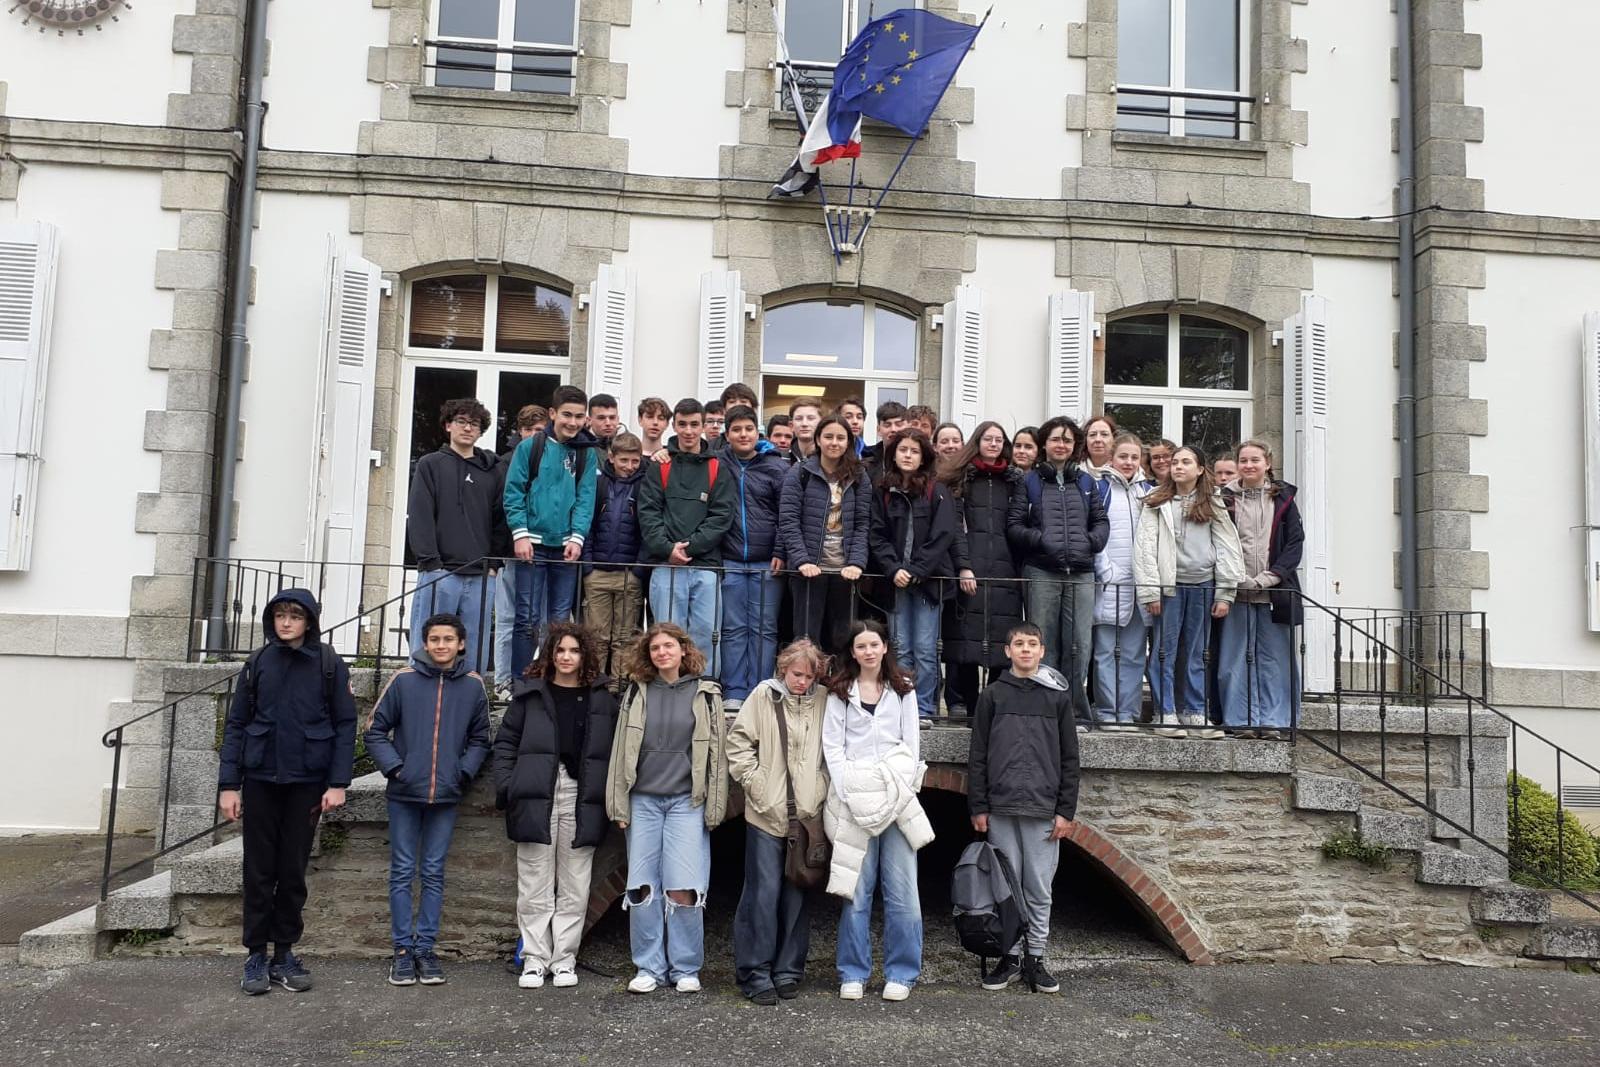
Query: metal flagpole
x=850, y=200
x=801, y=118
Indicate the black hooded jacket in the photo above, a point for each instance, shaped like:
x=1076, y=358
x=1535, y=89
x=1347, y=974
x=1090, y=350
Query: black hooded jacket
x=453, y=510
x=1023, y=758
x=279, y=727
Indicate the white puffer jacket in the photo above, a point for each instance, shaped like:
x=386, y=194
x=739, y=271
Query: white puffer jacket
x=1115, y=597
x=869, y=796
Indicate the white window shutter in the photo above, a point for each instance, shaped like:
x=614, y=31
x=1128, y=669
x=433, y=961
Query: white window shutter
x=1306, y=364
x=966, y=350
x=611, y=308
x=344, y=453
x=28, y=253
x=721, y=332
x=1069, y=363
x=1591, y=464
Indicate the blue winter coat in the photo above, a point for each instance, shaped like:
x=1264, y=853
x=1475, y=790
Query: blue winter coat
x=804, y=511
x=280, y=727
x=615, y=536
x=758, y=489
x=429, y=732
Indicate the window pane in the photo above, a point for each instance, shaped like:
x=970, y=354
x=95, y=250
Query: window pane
x=542, y=74
x=1136, y=351
x=1144, y=42
x=545, y=21
x=816, y=335
x=469, y=18
x=1212, y=355
x=518, y=389
x=1211, y=47
x=1212, y=430
x=894, y=341
x=1141, y=419
x=813, y=28
x=532, y=319
x=463, y=68
x=448, y=313
x=1146, y=114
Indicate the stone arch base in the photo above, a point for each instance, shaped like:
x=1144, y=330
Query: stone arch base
x=1143, y=891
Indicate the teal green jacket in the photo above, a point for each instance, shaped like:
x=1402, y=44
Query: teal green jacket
x=552, y=506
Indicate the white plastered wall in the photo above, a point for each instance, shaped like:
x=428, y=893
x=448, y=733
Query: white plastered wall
x=316, y=84
x=1017, y=276
x=669, y=256
x=1350, y=97
x=62, y=769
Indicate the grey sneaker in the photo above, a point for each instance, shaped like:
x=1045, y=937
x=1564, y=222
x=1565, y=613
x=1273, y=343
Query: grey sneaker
x=1167, y=726
x=403, y=968
x=289, y=973
x=428, y=970
x=257, y=979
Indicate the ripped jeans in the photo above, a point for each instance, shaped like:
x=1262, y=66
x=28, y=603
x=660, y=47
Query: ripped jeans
x=669, y=849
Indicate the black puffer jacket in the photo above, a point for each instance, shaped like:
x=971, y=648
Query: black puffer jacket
x=982, y=510
x=527, y=753
x=1057, y=522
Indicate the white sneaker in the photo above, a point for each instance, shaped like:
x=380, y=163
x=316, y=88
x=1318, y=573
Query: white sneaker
x=642, y=983
x=532, y=976
x=688, y=984
x=895, y=991
x=850, y=991
x=1111, y=726
x=564, y=978
x=1199, y=727
x=1167, y=726
x=732, y=704
x=1082, y=729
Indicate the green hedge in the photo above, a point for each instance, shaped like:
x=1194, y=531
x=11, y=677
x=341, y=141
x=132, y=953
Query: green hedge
x=1531, y=811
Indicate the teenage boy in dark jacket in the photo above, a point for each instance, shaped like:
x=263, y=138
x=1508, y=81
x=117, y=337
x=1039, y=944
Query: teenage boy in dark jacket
x=751, y=558
x=451, y=516
x=288, y=744
x=429, y=735
x=1022, y=789
x=685, y=508
x=613, y=586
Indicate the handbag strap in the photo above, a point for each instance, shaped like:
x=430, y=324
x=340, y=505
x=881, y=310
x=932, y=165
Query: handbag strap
x=783, y=740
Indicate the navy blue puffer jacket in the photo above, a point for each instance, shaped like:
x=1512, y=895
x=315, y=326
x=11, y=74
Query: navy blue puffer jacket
x=758, y=488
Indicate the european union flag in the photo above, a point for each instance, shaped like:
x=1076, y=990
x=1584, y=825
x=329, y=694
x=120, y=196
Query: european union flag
x=899, y=66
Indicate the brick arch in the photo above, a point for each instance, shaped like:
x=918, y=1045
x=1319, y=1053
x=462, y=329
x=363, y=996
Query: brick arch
x=1134, y=882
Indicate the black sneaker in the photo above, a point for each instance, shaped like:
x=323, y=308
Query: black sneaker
x=403, y=969
x=256, y=979
x=288, y=973
x=765, y=997
x=788, y=990
x=428, y=970
x=1039, y=976
x=1008, y=970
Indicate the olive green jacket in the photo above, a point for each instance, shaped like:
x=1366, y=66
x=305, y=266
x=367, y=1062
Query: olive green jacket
x=708, y=756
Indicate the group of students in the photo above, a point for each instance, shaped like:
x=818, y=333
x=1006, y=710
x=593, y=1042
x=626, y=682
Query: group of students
x=835, y=740
x=1140, y=565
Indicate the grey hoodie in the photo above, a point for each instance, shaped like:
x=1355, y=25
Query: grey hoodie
x=664, y=768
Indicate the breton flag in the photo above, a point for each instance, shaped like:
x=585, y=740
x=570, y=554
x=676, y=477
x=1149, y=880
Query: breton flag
x=896, y=71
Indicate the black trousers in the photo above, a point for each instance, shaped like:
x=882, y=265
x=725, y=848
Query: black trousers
x=280, y=822
x=823, y=610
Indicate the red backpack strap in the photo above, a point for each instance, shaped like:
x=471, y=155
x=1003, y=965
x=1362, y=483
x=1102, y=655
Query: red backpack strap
x=665, y=469
x=712, y=483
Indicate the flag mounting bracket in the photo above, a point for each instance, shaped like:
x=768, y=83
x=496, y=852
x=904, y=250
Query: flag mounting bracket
x=852, y=221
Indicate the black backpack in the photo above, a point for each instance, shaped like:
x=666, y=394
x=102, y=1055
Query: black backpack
x=328, y=657
x=986, y=896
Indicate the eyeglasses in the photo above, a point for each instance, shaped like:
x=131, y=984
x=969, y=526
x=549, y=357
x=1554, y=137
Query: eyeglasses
x=462, y=420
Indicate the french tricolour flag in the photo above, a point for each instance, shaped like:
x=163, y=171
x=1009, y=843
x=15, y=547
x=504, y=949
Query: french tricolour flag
x=833, y=134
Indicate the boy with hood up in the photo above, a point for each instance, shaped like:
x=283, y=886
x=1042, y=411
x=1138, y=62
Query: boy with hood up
x=288, y=745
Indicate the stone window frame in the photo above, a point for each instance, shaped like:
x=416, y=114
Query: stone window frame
x=1245, y=61
x=919, y=383
x=502, y=41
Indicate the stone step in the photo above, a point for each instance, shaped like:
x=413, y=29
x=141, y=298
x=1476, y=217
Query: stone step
x=145, y=905
x=1379, y=826
x=1443, y=865
x=1326, y=792
x=69, y=940
x=1507, y=903
x=1566, y=940
x=218, y=871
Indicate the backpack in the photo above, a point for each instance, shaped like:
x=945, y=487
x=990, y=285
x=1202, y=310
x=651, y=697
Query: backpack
x=986, y=896
x=330, y=661
x=536, y=458
x=666, y=469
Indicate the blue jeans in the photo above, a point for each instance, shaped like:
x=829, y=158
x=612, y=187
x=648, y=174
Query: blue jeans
x=892, y=863
x=771, y=927
x=545, y=590
x=1119, y=656
x=914, y=629
x=470, y=596
x=1182, y=641
x=419, y=838
x=750, y=600
x=1256, y=678
x=505, y=620
x=688, y=597
x=1062, y=606
x=669, y=849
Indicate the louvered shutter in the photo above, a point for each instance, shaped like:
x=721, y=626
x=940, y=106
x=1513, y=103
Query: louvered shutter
x=1305, y=463
x=611, y=301
x=1069, y=363
x=1591, y=464
x=965, y=355
x=721, y=332
x=28, y=253
x=344, y=453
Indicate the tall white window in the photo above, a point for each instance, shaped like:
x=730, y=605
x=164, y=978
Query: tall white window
x=1179, y=376
x=835, y=350
x=1180, y=67
x=516, y=45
